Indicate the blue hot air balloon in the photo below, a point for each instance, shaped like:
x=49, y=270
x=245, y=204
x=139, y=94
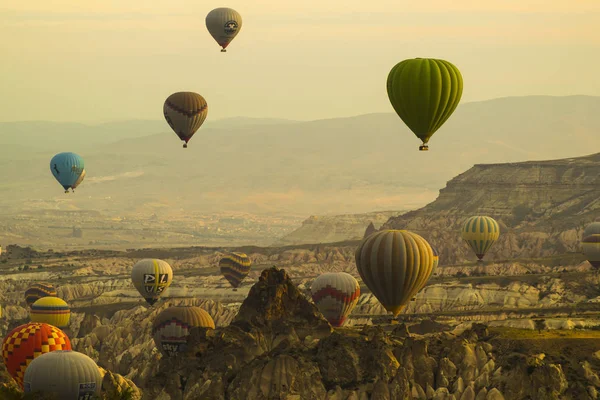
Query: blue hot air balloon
x=67, y=168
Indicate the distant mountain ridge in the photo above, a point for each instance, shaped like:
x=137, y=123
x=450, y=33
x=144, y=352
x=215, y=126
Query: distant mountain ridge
x=333, y=166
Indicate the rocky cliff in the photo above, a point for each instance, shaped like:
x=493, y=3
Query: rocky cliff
x=335, y=228
x=541, y=206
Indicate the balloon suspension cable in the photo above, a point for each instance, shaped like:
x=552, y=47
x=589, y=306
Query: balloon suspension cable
x=424, y=147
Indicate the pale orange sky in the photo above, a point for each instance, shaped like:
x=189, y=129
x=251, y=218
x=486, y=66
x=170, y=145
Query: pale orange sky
x=101, y=60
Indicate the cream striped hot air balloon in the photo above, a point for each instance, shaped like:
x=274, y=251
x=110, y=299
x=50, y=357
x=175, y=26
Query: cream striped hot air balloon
x=185, y=113
x=395, y=265
x=51, y=310
x=480, y=233
x=172, y=326
x=151, y=277
x=223, y=24
x=335, y=295
x=235, y=267
x=69, y=374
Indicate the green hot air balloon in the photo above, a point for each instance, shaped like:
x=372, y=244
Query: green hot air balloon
x=480, y=233
x=424, y=93
x=395, y=265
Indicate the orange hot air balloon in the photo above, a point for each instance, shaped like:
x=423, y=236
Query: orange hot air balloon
x=26, y=342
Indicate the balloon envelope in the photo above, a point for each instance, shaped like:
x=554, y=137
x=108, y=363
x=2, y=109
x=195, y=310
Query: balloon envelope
x=151, y=277
x=592, y=229
x=51, y=310
x=395, y=265
x=69, y=374
x=67, y=169
x=480, y=233
x=223, y=24
x=185, y=113
x=335, y=295
x=171, y=328
x=591, y=249
x=424, y=93
x=37, y=291
x=235, y=267
x=27, y=342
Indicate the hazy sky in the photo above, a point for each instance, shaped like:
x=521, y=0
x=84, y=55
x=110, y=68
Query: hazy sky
x=100, y=60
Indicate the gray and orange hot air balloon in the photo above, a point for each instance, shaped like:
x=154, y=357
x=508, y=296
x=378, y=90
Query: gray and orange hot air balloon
x=185, y=113
x=424, y=93
x=223, y=24
x=235, y=267
x=171, y=328
x=395, y=265
x=335, y=295
x=480, y=233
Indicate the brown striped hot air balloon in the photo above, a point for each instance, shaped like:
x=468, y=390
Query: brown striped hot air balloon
x=171, y=328
x=395, y=265
x=185, y=112
x=335, y=295
x=235, y=267
x=480, y=233
x=26, y=342
x=37, y=291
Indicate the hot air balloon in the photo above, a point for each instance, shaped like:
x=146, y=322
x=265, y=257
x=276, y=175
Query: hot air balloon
x=185, y=112
x=480, y=233
x=171, y=328
x=424, y=93
x=27, y=342
x=67, y=169
x=395, y=265
x=223, y=24
x=335, y=295
x=591, y=249
x=151, y=277
x=51, y=310
x=37, y=291
x=436, y=258
x=592, y=229
x=69, y=374
x=235, y=267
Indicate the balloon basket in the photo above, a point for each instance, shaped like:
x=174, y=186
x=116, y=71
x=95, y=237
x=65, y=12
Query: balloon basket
x=223, y=51
x=424, y=147
x=185, y=146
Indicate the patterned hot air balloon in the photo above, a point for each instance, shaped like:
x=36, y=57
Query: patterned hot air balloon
x=591, y=249
x=51, y=310
x=151, y=277
x=67, y=168
x=185, y=112
x=480, y=233
x=235, y=267
x=223, y=24
x=69, y=374
x=27, y=342
x=424, y=93
x=335, y=295
x=395, y=265
x=171, y=328
x=37, y=291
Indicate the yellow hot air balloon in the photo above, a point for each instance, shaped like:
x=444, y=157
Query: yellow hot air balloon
x=480, y=233
x=151, y=277
x=171, y=328
x=395, y=265
x=223, y=24
x=51, y=310
x=335, y=295
x=69, y=374
x=185, y=113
